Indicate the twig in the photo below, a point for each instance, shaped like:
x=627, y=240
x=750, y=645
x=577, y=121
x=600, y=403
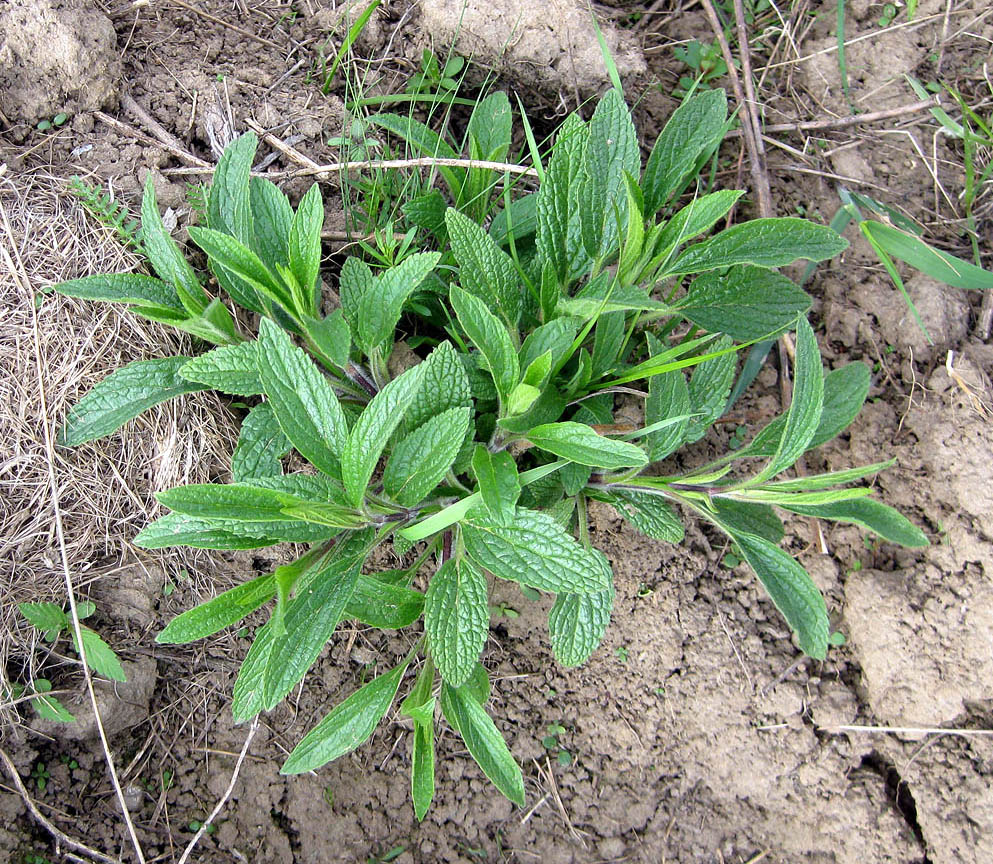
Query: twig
x=905, y=730
x=323, y=172
x=137, y=133
x=227, y=793
x=291, y=153
x=844, y=122
x=751, y=108
x=158, y=130
x=20, y=275
x=747, y=127
x=224, y=23
x=52, y=829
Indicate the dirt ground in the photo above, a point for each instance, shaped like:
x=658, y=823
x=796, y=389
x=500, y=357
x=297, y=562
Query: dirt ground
x=694, y=733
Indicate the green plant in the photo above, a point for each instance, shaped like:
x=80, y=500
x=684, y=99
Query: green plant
x=705, y=60
x=480, y=460
x=40, y=774
x=109, y=212
x=56, y=121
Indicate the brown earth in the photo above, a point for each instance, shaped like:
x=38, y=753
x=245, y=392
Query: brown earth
x=694, y=734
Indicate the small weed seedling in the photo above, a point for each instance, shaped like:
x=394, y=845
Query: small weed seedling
x=531, y=308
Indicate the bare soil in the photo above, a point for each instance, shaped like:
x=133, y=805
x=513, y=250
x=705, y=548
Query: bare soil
x=694, y=734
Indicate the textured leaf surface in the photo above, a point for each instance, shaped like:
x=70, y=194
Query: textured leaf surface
x=764, y=243
x=302, y=400
x=486, y=270
x=305, y=240
x=649, y=513
x=223, y=611
x=709, y=388
x=535, y=550
x=373, y=429
x=746, y=517
x=44, y=616
x=165, y=256
x=484, y=741
x=490, y=337
x=577, y=623
x=700, y=215
x=420, y=461
x=100, y=657
x=378, y=604
x=234, y=501
x=261, y=444
x=445, y=385
x=142, y=291
x=499, y=484
x=231, y=369
x=229, y=207
x=122, y=396
x=348, y=726
x=580, y=443
x=791, y=589
x=456, y=619
x=877, y=517
x=178, y=529
x=692, y=130
x=272, y=218
x=241, y=261
x=555, y=197
x=379, y=308
x=746, y=302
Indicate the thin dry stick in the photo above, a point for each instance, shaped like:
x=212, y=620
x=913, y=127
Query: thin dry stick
x=291, y=153
x=748, y=129
x=178, y=152
x=906, y=730
x=323, y=172
x=751, y=108
x=20, y=274
x=158, y=130
x=844, y=122
x=227, y=793
x=52, y=829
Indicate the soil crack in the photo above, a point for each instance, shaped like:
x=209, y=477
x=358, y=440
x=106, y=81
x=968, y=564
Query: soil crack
x=899, y=794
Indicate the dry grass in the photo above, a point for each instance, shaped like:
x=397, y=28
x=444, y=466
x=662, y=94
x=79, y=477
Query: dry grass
x=106, y=487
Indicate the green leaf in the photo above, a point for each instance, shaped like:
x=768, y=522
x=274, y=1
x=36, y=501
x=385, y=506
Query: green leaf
x=427, y=142
x=420, y=461
x=445, y=385
x=845, y=389
x=232, y=501
x=490, y=125
x=331, y=335
x=273, y=218
x=924, y=257
x=178, y=529
x=348, y=726
x=534, y=550
x=700, y=215
x=748, y=518
x=608, y=339
x=709, y=387
x=830, y=478
x=388, y=607
x=804, y=414
x=557, y=198
x=166, y=258
x=873, y=515
x=456, y=619
x=239, y=260
x=355, y=282
x=50, y=708
x=579, y=443
x=490, y=337
x=231, y=369
x=693, y=131
x=791, y=589
x=222, y=611
x=649, y=513
x=611, y=150
x=261, y=444
x=484, y=741
x=305, y=246
x=214, y=324
x=379, y=309
x=310, y=487
x=44, y=616
x=122, y=396
x=229, y=207
x=762, y=242
x=556, y=336
x=577, y=623
x=746, y=303
x=302, y=400
x=309, y=621
x=668, y=396
x=499, y=484
x=373, y=429
x=486, y=270
x=142, y=291
x=422, y=757
x=100, y=657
